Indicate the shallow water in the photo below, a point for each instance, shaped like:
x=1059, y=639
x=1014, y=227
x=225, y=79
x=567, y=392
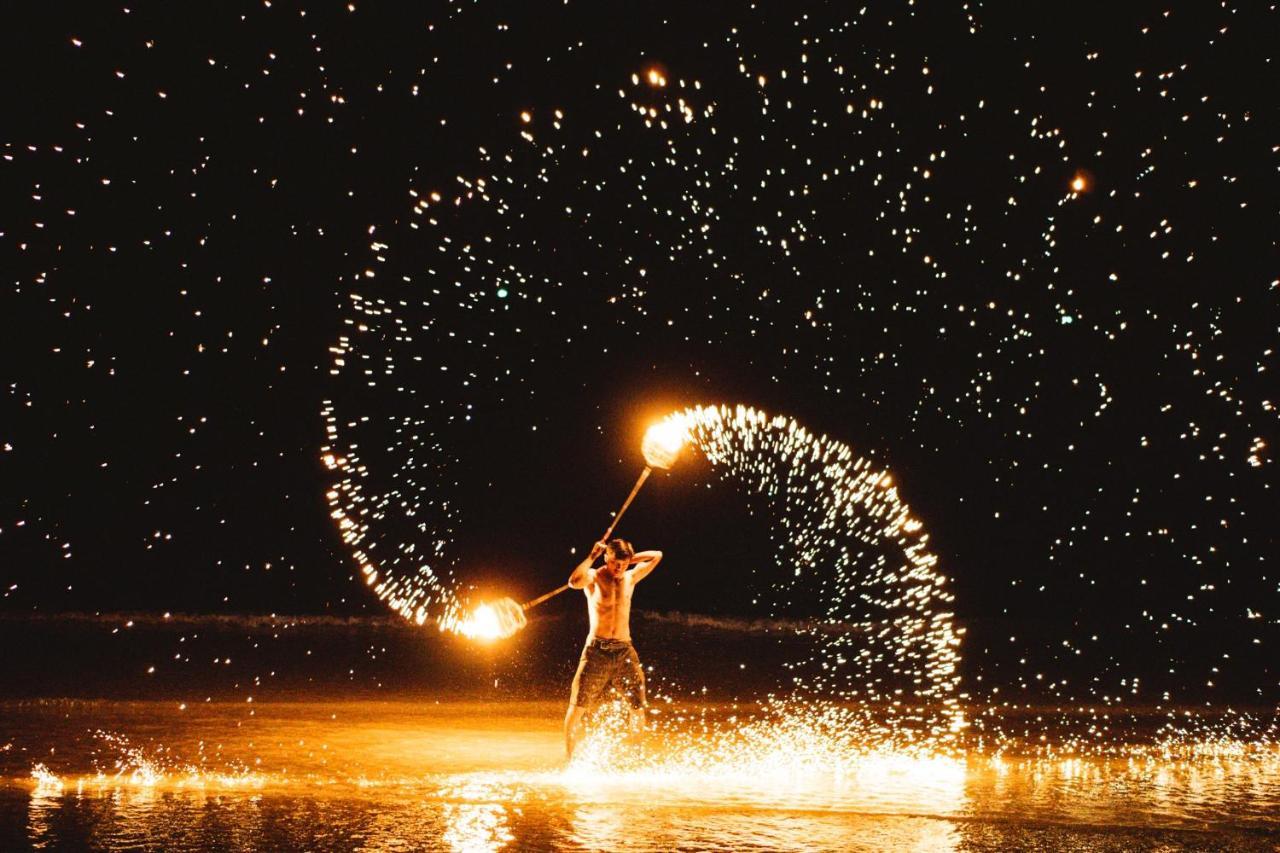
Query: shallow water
x=409, y=775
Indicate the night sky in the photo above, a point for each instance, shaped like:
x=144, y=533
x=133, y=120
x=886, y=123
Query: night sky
x=1024, y=256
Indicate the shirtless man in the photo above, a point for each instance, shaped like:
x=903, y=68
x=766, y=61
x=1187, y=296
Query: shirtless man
x=608, y=659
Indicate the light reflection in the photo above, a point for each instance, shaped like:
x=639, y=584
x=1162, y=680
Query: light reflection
x=600, y=826
x=747, y=779
x=476, y=827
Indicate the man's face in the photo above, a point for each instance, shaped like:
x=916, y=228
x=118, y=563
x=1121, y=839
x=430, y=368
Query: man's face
x=615, y=565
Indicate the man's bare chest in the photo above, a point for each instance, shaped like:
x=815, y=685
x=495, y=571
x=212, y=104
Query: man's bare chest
x=607, y=598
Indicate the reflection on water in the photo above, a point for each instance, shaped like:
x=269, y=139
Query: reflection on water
x=475, y=816
x=476, y=828
x=398, y=776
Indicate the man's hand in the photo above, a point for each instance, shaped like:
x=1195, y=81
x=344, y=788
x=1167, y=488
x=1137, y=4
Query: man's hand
x=583, y=576
x=645, y=562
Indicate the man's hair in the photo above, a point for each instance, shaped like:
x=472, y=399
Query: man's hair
x=620, y=549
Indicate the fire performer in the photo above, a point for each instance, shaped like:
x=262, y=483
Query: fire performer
x=608, y=659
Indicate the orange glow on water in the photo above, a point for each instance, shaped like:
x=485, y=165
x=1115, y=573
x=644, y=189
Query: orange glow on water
x=489, y=776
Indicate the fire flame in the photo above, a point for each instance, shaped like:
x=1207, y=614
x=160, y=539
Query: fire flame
x=663, y=442
x=491, y=621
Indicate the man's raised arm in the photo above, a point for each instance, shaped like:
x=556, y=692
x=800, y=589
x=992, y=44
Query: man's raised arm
x=584, y=575
x=645, y=562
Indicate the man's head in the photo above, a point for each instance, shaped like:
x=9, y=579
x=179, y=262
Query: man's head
x=617, y=555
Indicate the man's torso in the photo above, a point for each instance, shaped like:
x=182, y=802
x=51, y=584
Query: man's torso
x=609, y=604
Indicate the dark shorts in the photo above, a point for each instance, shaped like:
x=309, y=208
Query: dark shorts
x=605, y=664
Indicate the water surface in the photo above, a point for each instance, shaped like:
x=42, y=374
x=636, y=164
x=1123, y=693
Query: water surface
x=408, y=775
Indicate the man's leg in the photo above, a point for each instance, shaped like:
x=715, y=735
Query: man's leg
x=634, y=691
x=573, y=729
x=587, y=683
x=637, y=720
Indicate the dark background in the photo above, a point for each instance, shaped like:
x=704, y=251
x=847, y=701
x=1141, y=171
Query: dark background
x=176, y=269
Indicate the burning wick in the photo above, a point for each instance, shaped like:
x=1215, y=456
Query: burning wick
x=663, y=442
x=493, y=621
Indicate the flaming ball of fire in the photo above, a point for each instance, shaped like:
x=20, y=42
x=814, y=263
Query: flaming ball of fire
x=662, y=443
x=495, y=620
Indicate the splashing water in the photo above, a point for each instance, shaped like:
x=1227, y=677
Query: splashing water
x=781, y=744
x=47, y=784
x=137, y=767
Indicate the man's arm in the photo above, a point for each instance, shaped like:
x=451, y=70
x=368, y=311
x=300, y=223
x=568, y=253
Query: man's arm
x=645, y=562
x=584, y=576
